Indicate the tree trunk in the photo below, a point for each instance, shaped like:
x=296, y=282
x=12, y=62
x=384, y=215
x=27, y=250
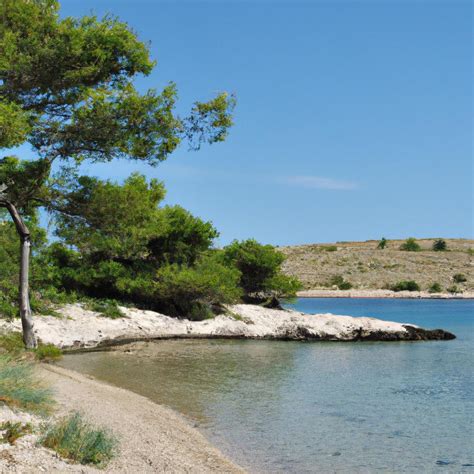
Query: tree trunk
x=25, y=244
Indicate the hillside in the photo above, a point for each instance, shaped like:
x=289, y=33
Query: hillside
x=366, y=267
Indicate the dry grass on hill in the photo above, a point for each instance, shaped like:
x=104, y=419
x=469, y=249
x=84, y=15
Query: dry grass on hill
x=366, y=267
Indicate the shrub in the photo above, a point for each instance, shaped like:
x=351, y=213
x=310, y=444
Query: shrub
x=406, y=285
x=14, y=430
x=453, y=289
x=107, y=308
x=73, y=438
x=410, y=245
x=439, y=245
x=48, y=352
x=329, y=248
x=19, y=388
x=435, y=288
x=459, y=278
x=260, y=269
x=193, y=292
x=382, y=243
x=338, y=280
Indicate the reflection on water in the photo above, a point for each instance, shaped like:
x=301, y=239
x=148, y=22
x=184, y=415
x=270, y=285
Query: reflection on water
x=187, y=374
x=325, y=407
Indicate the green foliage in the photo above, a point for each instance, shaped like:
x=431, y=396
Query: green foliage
x=20, y=389
x=9, y=257
x=260, y=268
x=338, y=280
x=410, y=245
x=440, y=245
x=193, y=292
x=14, y=124
x=182, y=237
x=66, y=88
x=406, y=285
x=108, y=219
x=435, y=288
x=107, y=308
x=11, y=343
x=48, y=352
x=14, y=430
x=454, y=289
x=328, y=248
x=105, y=220
x=75, y=439
x=459, y=278
x=382, y=243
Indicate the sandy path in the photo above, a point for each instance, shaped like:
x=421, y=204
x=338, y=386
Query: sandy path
x=152, y=438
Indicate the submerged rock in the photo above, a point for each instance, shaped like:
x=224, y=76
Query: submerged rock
x=80, y=328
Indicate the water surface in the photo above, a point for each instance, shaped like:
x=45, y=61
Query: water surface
x=324, y=406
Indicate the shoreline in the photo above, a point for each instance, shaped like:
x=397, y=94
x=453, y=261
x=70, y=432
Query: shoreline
x=374, y=294
x=78, y=328
x=152, y=437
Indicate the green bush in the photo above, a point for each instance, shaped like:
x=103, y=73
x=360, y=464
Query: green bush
x=75, y=439
x=382, y=243
x=459, y=278
x=106, y=307
x=435, y=288
x=338, y=280
x=453, y=289
x=410, y=245
x=20, y=389
x=406, y=285
x=329, y=248
x=194, y=292
x=440, y=245
x=260, y=269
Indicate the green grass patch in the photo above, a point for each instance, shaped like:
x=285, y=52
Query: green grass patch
x=47, y=352
x=75, y=439
x=107, y=308
x=19, y=388
x=12, y=343
x=328, y=248
x=12, y=431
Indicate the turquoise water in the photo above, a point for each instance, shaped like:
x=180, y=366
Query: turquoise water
x=320, y=407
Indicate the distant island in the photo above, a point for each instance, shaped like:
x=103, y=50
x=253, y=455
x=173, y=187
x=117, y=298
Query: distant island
x=361, y=269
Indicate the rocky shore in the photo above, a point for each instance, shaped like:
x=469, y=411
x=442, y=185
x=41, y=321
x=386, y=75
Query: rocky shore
x=383, y=294
x=78, y=328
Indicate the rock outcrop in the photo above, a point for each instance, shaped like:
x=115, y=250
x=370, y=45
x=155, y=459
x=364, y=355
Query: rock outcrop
x=80, y=328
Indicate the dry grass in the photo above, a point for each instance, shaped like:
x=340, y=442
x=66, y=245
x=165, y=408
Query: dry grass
x=366, y=267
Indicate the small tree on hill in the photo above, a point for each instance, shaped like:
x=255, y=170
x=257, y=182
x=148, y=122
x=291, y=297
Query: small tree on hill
x=439, y=245
x=410, y=245
x=382, y=243
x=66, y=88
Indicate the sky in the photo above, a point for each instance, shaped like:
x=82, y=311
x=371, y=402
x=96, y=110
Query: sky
x=353, y=118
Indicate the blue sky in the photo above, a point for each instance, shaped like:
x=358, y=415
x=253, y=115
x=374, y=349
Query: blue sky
x=354, y=119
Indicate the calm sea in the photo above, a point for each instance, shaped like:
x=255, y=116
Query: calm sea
x=319, y=407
